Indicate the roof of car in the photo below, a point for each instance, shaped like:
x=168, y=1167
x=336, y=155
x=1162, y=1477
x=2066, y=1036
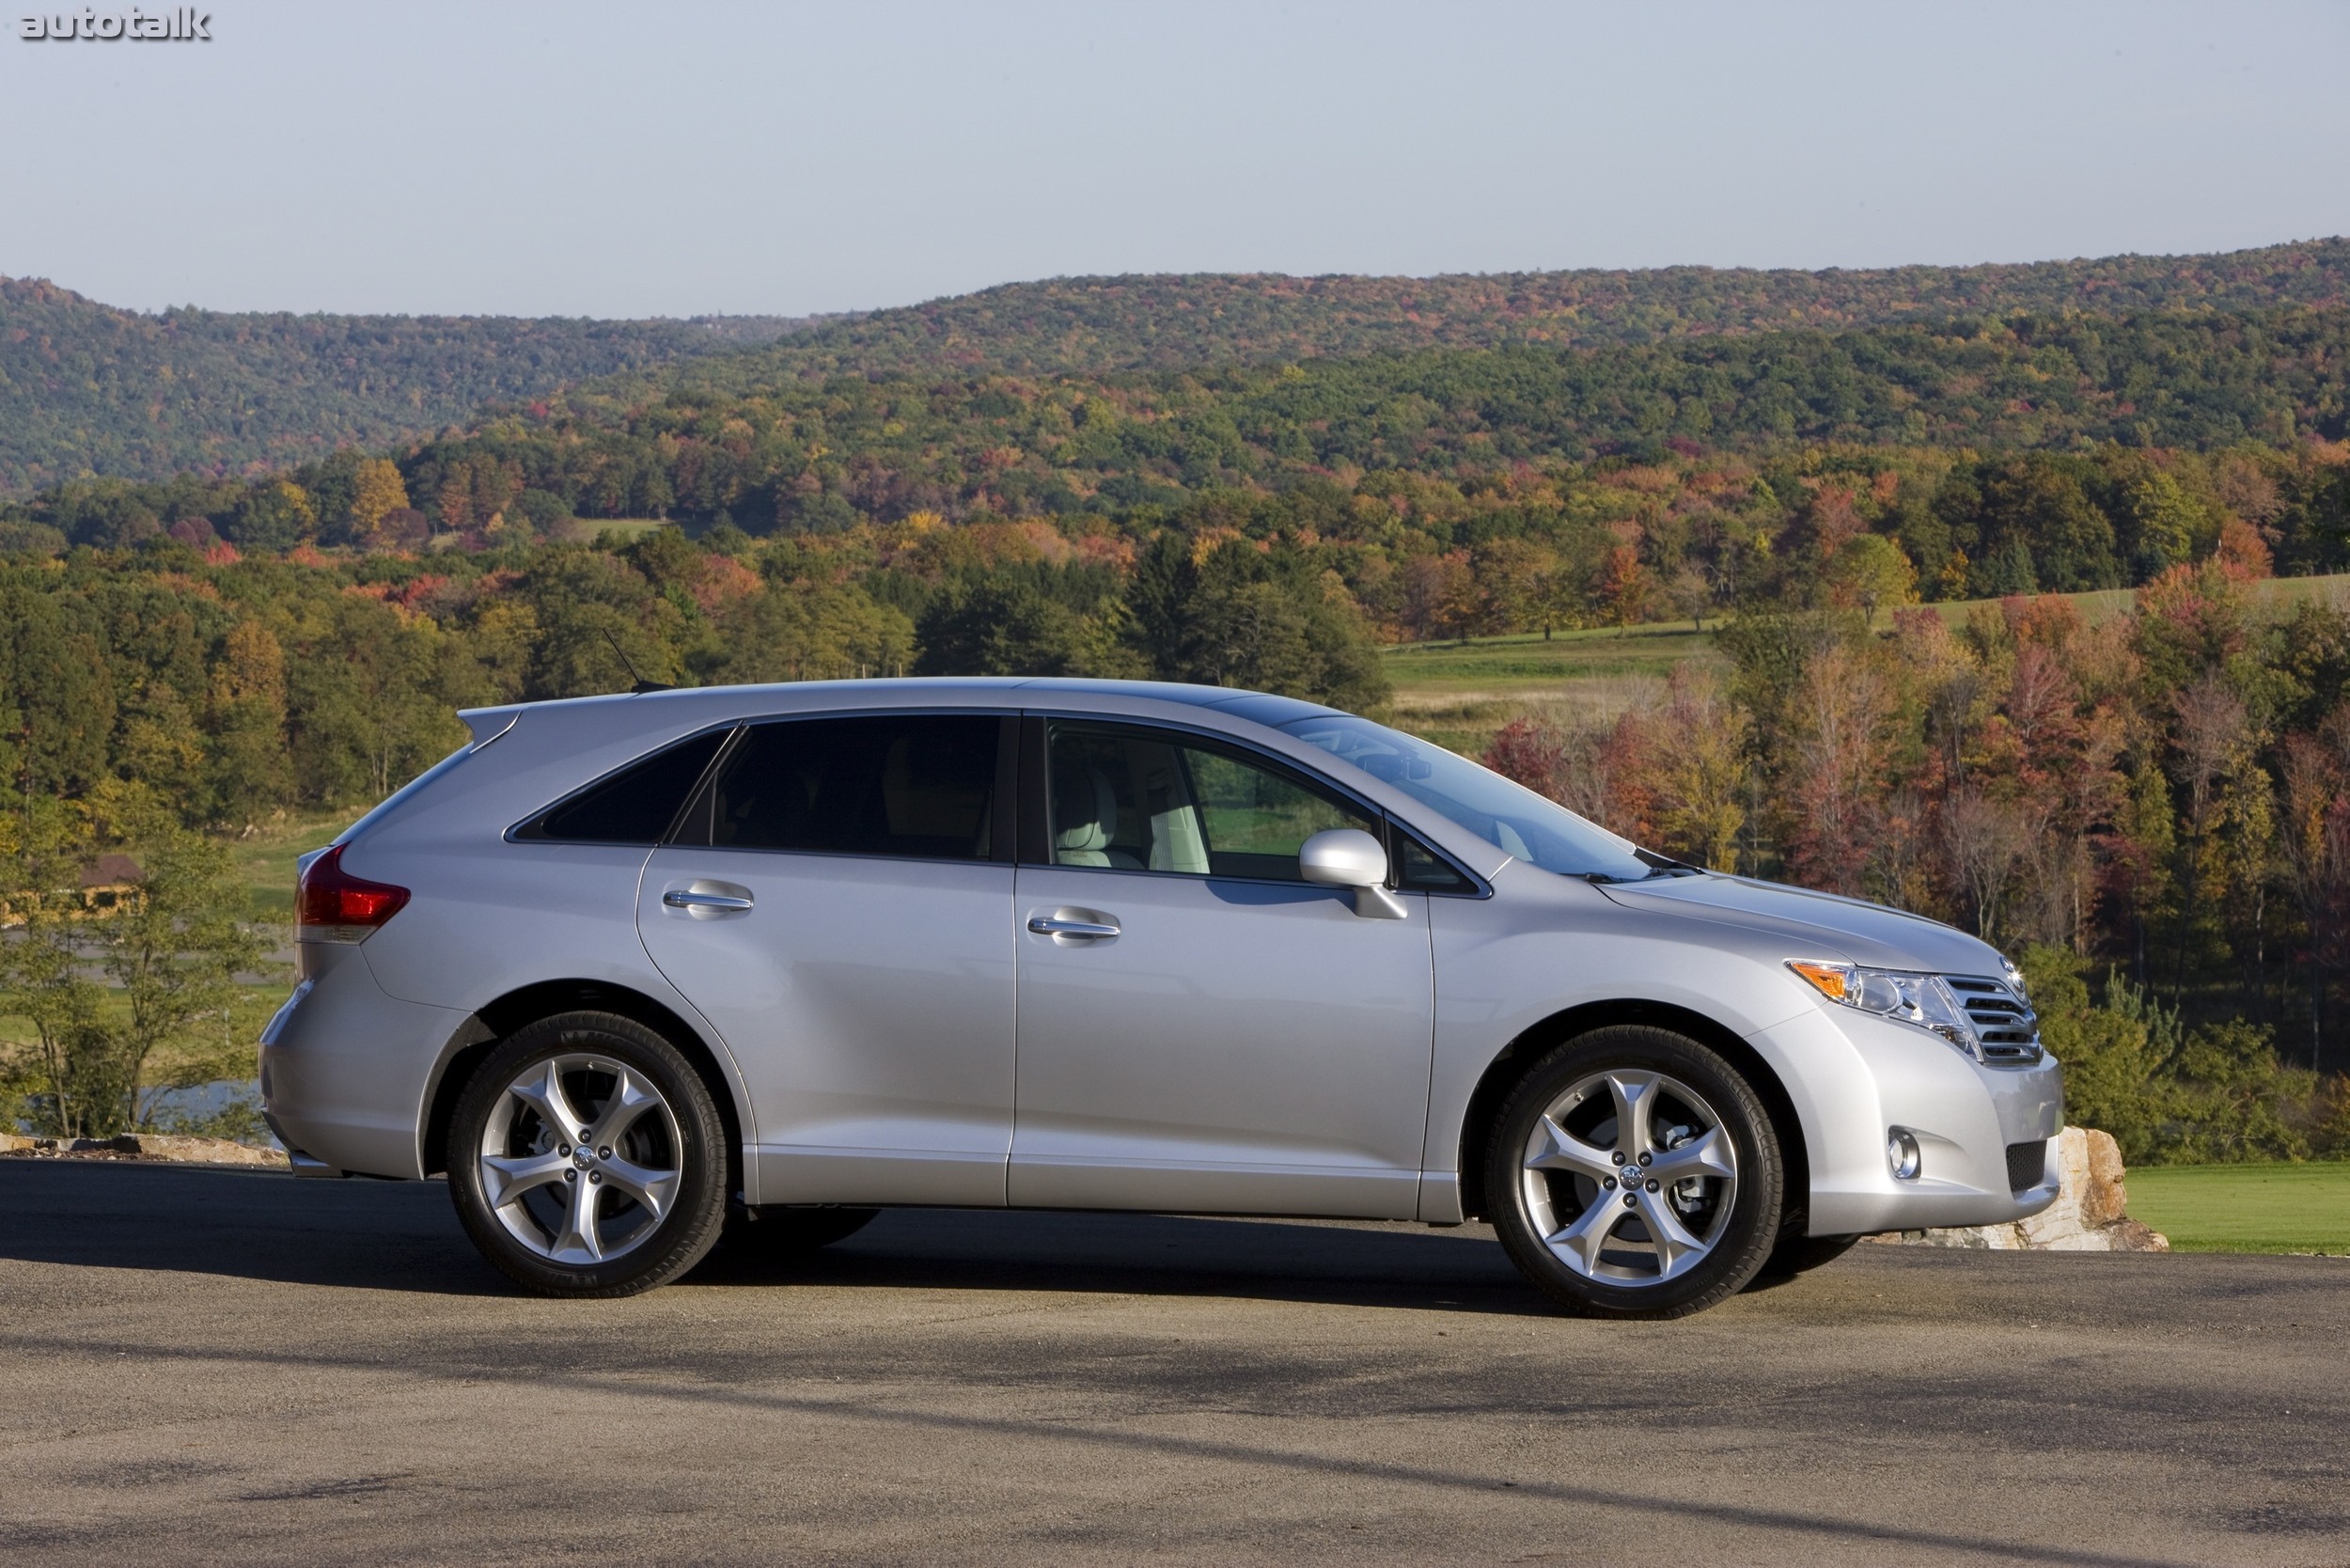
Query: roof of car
x=1261, y=707
x=1257, y=706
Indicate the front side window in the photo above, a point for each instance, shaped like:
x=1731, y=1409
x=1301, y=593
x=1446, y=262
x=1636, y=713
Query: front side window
x=1147, y=800
x=1508, y=816
x=917, y=785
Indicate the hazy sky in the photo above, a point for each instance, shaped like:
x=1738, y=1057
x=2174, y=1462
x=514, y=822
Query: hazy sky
x=664, y=159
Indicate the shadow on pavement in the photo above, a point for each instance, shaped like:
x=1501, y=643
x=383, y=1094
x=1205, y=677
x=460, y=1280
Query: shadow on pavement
x=402, y=1235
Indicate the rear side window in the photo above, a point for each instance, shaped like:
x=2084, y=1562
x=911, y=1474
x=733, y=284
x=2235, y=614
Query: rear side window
x=634, y=806
x=915, y=785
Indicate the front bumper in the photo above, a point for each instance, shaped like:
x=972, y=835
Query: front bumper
x=345, y=1069
x=1853, y=1076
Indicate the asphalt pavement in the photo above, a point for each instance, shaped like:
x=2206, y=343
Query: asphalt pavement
x=205, y=1365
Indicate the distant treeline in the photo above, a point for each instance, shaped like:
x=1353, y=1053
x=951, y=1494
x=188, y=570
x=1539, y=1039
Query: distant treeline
x=1450, y=492
x=233, y=688
x=815, y=456
x=87, y=389
x=1176, y=321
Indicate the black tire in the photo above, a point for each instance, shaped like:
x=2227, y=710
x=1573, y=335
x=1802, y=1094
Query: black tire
x=1738, y=1233
x=686, y=1147
x=779, y=1233
x=1797, y=1253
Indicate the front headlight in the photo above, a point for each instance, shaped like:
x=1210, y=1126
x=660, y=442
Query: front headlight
x=1924, y=1000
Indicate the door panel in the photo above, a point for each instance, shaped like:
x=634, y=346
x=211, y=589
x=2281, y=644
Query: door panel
x=1241, y=1044
x=869, y=1005
x=1238, y=1048
x=845, y=922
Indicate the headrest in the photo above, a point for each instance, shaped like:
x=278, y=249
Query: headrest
x=1085, y=809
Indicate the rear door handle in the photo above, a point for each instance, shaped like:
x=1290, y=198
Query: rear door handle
x=686, y=898
x=1050, y=925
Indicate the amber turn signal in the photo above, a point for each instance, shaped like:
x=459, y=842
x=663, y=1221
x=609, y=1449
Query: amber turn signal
x=1832, y=981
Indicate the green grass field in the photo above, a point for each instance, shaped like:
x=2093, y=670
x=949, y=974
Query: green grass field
x=2275, y=594
x=2245, y=1208
x=266, y=860
x=1457, y=693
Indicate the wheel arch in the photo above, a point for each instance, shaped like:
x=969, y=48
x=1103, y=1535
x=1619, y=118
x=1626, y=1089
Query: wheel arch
x=1518, y=1058
x=486, y=1027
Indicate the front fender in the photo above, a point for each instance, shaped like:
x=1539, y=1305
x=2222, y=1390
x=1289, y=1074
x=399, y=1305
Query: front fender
x=1545, y=945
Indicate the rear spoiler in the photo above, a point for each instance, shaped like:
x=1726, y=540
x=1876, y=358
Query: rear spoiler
x=488, y=723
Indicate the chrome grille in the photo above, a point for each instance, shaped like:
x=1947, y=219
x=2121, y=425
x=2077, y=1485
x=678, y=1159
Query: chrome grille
x=2004, y=1021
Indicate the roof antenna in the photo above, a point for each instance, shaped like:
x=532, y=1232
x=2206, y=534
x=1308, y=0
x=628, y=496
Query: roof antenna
x=642, y=685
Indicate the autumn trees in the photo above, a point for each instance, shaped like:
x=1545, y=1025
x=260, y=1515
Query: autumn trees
x=1678, y=775
x=2164, y=794
x=111, y=996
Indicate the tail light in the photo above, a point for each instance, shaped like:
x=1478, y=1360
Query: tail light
x=334, y=907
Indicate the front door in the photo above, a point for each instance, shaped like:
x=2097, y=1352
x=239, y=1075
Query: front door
x=840, y=907
x=1200, y=1029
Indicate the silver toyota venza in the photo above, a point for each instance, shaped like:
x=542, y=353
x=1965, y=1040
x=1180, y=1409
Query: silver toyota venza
x=633, y=970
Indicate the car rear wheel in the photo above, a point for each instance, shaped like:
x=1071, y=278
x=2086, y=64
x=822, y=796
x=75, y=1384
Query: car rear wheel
x=1634, y=1173
x=587, y=1158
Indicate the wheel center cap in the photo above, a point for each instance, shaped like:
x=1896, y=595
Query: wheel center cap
x=583, y=1157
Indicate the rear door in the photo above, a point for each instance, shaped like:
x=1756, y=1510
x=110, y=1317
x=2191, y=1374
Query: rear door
x=1199, y=1028
x=839, y=905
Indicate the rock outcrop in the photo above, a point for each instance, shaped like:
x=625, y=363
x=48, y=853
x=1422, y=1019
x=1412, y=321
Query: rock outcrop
x=143, y=1146
x=2091, y=1216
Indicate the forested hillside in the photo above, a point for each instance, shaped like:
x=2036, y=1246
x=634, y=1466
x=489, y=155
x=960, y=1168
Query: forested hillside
x=2166, y=794
x=1993, y=456
x=87, y=389
x=1170, y=322
x=813, y=456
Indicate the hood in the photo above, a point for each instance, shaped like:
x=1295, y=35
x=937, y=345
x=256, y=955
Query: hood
x=1815, y=924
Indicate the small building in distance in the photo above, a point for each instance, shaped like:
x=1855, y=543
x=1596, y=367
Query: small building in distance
x=105, y=887
x=109, y=883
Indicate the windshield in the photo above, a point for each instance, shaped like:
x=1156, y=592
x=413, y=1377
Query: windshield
x=1508, y=816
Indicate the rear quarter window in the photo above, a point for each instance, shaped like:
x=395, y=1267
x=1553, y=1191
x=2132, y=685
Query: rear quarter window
x=634, y=806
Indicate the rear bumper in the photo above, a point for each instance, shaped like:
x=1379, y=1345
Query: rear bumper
x=345, y=1069
x=1855, y=1077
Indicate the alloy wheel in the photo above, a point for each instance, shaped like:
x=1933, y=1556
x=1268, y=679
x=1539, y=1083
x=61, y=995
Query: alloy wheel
x=1629, y=1177
x=579, y=1159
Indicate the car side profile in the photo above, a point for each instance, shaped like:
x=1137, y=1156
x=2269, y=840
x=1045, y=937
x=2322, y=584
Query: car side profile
x=634, y=970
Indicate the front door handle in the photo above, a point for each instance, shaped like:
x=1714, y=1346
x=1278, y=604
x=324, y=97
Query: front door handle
x=686, y=898
x=1051, y=925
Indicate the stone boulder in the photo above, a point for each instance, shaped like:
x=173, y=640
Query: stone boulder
x=2091, y=1215
x=143, y=1146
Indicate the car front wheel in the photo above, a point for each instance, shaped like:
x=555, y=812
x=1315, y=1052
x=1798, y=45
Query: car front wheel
x=587, y=1158
x=1634, y=1173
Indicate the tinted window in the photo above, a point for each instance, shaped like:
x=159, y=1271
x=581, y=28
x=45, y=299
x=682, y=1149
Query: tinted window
x=920, y=785
x=634, y=806
x=1420, y=870
x=1148, y=800
x=1508, y=816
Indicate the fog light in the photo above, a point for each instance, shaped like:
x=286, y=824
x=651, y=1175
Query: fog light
x=1901, y=1153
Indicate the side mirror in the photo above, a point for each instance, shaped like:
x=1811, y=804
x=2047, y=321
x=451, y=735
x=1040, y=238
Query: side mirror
x=1349, y=858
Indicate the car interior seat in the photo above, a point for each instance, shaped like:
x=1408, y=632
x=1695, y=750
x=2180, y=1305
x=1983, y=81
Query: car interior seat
x=1085, y=816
